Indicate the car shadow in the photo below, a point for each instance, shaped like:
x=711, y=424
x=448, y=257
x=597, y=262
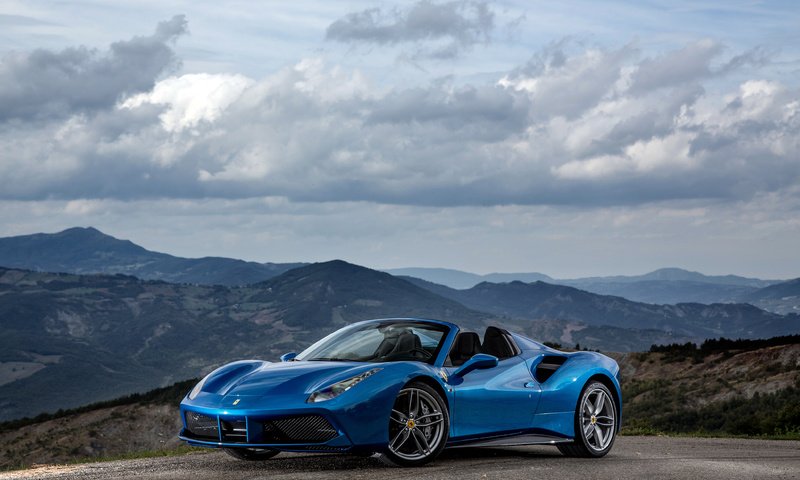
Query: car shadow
x=329, y=462
x=501, y=452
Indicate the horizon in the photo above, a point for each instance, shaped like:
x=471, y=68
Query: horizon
x=577, y=139
x=378, y=268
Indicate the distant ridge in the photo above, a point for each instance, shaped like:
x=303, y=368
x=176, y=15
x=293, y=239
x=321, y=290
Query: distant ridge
x=460, y=279
x=88, y=250
x=662, y=286
x=545, y=301
x=675, y=275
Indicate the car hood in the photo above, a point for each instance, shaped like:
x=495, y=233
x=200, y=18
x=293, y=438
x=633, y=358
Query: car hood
x=288, y=378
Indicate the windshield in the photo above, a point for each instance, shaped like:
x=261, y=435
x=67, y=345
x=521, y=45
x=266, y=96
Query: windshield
x=379, y=342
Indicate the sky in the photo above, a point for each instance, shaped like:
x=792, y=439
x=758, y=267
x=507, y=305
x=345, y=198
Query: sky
x=571, y=138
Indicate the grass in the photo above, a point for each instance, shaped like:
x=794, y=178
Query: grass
x=170, y=395
x=652, y=432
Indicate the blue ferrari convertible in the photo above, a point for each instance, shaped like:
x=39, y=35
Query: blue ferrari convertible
x=406, y=389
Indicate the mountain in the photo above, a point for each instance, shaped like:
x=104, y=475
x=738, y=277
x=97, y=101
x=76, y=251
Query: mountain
x=544, y=301
x=662, y=286
x=338, y=292
x=671, y=285
x=88, y=250
x=95, y=337
x=662, y=277
x=667, y=291
x=72, y=339
x=781, y=297
x=674, y=275
x=460, y=279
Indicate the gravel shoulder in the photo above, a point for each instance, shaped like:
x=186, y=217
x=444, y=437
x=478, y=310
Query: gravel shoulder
x=632, y=457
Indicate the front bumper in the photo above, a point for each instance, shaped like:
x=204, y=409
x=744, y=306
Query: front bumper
x=306, y=432
x=286, y=423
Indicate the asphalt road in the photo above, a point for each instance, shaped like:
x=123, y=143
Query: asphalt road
x=646, y=458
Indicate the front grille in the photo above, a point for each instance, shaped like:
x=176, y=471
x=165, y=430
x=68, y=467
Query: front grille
x=202, y=426
x=234, y=431
x=301, y=429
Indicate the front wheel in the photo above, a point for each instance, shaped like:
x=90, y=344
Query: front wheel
x=595, y=423
x=253, y=454
x=418, y=427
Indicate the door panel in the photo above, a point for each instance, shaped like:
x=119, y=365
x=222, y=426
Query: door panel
x=498, y=399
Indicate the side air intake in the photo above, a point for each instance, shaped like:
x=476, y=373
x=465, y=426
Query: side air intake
x=548, y=366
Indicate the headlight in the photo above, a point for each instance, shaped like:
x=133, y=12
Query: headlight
x=196, y=390
x=338, y=388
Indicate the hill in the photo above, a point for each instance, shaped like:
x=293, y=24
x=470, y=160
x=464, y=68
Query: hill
x=460, y=279
x=340, y=292
x=676, y=275
x=736, y=391
x=729, y=392
x=95, y=337
x=781, y=297
x=660, y=292
x=662, y=286
x=544, y=301
x=88, y=250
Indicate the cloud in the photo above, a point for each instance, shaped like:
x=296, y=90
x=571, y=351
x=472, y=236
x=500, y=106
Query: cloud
x=569, y=85
x=692, y=63
x=191, y=99
x=447, y=28
x=43, y=84
x=574, y=125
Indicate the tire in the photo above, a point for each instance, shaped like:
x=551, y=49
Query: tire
x=251, y=454
x=419, y=426
x=595, y=428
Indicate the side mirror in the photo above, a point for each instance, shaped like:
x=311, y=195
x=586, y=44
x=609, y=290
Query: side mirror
x=478, y=361
x=288, y=357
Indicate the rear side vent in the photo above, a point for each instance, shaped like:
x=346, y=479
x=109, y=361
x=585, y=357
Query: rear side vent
x=548, y=366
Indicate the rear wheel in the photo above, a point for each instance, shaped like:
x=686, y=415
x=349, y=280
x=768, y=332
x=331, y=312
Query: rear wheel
x=418, y=427
x=253, y=454
x=595, y=423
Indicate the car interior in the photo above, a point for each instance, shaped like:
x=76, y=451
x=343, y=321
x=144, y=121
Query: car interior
x=399, y=344
x=496, y=342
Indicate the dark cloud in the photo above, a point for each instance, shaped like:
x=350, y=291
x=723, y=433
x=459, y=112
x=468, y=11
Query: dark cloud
x=692, y=63
x=44, y=84
x=456, y=26
x=688, y=64
x=491, y=112
x=566, y=128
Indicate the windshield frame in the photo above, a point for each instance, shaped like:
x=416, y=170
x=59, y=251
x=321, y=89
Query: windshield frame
x=445, y=328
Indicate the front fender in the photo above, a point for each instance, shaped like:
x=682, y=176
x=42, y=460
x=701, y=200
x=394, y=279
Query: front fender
x=366, y=407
